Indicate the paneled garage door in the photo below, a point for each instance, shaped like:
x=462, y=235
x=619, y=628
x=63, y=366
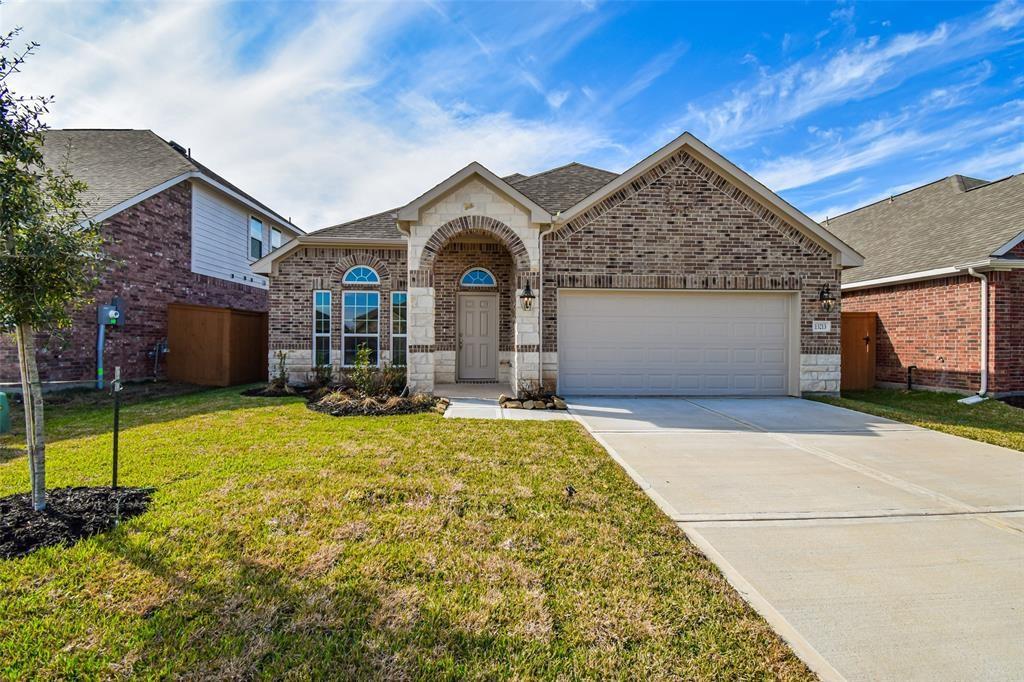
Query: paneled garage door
x=673, y=343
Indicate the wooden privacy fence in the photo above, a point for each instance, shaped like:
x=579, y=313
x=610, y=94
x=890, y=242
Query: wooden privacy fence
x=215, y=346
x=858, y=341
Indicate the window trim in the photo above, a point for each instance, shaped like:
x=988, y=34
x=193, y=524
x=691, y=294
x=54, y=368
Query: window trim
x=400, y=336
x=345, y=335
x=375, y=283
x=330, y=323
x=280, y=239
x=463, y=283
x=263, y=238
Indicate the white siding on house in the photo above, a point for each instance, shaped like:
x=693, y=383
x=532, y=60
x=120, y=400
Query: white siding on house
x=220, y=237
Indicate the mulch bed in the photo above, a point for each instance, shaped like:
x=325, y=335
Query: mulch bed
x=1014, y=401
x=70, y=515
x=349, y=403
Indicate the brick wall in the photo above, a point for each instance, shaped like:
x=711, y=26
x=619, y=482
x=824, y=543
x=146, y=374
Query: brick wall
x=148, y=264
x=451, y=263
x=1006, y=304
x=932, y=324
x=683, y=226
x=308, y=268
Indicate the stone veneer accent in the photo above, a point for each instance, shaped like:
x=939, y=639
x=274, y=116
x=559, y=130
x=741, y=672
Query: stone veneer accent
x=148, y=263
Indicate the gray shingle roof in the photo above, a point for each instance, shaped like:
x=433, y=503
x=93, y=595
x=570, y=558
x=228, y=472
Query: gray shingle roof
x=117, y=165
x=378, y=226
x=949, y=222
x=559, y=188
x=555, y=190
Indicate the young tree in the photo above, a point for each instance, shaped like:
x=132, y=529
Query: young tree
x=48, y=253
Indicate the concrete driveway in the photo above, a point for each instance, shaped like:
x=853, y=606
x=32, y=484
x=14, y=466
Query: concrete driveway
x=879, y=550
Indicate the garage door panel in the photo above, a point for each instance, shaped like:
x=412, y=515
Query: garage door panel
x=673, y=343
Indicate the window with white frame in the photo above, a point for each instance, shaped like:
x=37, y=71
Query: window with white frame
x=321, y=328
x=255, y=237
x=478, y=277
x=399, y=327
x=361, y=274
x=275, y=238
x=361, y=325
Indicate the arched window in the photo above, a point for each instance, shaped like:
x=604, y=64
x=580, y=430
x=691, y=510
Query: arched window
x=361, y=274
x=478, y=277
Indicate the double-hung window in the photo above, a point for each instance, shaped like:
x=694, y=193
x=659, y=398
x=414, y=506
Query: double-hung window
x=321, y=328
x=361, y=325
x=399, y=327
x=275, y=238
x=255, y=238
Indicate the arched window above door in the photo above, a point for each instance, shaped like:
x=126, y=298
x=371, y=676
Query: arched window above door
x=478, y=277
x=361, y=274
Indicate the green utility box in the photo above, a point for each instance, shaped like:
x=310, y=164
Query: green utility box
x=5, y=414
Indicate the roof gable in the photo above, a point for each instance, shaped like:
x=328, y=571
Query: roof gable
x=845, y=255
x=411, y=211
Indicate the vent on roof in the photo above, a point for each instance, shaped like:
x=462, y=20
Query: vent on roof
x=181, y=150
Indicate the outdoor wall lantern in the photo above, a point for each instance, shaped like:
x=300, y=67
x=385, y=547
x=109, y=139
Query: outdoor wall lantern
x=527, y=297
x=827, y=299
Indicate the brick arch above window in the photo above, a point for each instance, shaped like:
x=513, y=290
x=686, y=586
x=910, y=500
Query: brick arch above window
x=357, y=258
x=478, y=225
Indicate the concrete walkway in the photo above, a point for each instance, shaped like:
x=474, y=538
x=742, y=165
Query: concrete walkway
x=879, y=550
x=480, y=401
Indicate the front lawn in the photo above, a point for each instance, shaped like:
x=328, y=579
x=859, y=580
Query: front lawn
x=286, y=543
x=990, y=422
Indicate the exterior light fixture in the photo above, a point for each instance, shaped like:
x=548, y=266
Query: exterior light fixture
x=827, y=299
x=527, y=297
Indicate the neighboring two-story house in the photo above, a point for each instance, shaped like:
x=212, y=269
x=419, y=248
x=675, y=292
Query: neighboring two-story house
x=174, y=232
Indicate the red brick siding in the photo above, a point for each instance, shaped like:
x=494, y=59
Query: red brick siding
x=686, y=228
x=148, y=264
x=454, y=259
x=932, y=324
x=307, y=269
x=1006, y=305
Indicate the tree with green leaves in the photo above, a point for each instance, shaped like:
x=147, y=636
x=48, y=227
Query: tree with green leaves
x=49, y=253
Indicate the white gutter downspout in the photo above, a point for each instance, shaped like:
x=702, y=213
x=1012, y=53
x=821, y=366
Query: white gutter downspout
x=983, y=389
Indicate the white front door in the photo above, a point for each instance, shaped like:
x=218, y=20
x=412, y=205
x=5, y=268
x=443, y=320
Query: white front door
x=478, y=336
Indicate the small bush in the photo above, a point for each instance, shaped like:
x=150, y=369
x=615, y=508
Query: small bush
x=280, y=380
x=322, y=375
x=531, y=389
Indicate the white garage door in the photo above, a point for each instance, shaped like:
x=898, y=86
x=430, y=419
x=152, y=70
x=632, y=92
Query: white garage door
x=673, y=343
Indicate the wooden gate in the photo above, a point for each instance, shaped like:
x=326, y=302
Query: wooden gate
x=215, y=346
x=858, y=334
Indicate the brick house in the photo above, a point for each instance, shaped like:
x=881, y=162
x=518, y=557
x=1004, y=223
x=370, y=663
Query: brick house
x=174, y=232
x=683, y=275
x=933, y=255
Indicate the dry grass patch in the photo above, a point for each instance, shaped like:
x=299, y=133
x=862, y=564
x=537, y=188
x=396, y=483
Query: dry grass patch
x=286, y=543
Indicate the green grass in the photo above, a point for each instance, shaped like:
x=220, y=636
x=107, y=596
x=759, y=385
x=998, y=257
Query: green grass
x=990, y=422
x=287, y=543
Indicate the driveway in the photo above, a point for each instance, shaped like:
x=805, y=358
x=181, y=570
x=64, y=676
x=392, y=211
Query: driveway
x=879, y=550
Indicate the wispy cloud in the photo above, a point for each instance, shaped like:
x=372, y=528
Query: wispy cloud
x=776, y=98
x=315, y=128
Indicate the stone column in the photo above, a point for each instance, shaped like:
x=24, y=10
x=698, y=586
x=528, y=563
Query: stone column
x=526, y=358
x=420, y=362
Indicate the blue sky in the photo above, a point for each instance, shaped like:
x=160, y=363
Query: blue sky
x=330, y=111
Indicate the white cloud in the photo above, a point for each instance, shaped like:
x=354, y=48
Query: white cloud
x=303, y=127
x=871, y=66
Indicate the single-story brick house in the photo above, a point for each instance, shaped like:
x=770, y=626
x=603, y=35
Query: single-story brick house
x=174, y=232
x=683, y=275
x=944, y=271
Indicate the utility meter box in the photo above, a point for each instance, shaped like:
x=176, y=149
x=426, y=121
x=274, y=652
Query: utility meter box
x=5, y=414
x=109, y=315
